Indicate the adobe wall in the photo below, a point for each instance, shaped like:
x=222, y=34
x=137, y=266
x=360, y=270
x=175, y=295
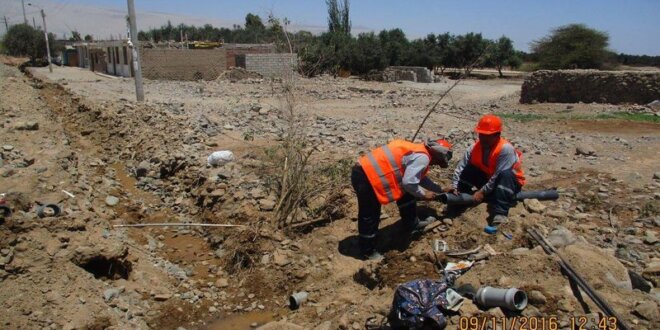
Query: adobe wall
x=572, y=86
x=183, y=64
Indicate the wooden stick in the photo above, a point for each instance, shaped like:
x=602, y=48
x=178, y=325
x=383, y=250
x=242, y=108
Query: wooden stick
x=461, y=77
x=177, y=224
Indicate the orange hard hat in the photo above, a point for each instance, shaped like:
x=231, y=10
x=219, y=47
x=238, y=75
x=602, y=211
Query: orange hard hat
x=444, y=143
x=489, y=124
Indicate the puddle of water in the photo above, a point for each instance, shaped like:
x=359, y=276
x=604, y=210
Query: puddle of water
x=243, y=321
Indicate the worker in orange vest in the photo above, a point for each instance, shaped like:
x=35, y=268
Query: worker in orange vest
x=491, y=170
x=395, y=172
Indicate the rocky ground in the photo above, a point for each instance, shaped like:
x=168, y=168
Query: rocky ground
x=80, y=140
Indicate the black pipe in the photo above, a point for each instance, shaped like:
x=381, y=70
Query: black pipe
x=467, y=199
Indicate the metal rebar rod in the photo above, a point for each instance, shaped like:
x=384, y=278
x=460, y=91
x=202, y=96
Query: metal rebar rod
x=573, y=275
x=177, y=224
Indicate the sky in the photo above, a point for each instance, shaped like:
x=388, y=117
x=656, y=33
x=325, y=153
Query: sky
x=633, y=26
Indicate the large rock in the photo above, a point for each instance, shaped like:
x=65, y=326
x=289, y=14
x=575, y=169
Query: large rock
x=648, y=310
x=533, y=205
x=26, y=126
x=594, y=263
x=585, y=150
x=561, y=237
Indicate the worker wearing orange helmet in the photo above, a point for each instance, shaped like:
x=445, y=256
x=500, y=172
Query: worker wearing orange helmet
x=491, y=170
x=396, y=172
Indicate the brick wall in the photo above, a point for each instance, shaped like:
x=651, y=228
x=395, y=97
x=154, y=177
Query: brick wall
x=183, y=64
x=570, y=86
x=269, y=65
x=241, y=49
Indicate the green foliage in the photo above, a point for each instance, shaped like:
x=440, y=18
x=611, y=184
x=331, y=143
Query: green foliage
x=89, y=38
x=523, y=117
x=367, y=54
x=572, y=46
x=338, y=17
x=468, y=50
x=75, y=36
x=24, y=40
x=395, y=45
x=643, y=117
x=253, y=22
x=643, y=60
x=501, y=53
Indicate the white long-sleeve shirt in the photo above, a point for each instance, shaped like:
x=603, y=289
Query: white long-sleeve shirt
x=505, y=161
x=412, y=181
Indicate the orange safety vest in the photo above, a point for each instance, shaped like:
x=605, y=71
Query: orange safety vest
x=384, y=169
x=476, y=159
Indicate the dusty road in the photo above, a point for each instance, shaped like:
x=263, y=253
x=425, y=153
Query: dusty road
x=133, y=163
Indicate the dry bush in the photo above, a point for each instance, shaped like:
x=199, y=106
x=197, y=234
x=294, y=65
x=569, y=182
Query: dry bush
x=306, y=186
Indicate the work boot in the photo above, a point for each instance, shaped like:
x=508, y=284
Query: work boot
x=421, y=224
x=498, y=219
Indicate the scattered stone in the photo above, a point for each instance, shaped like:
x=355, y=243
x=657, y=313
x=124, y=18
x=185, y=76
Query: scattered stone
x=638, y=282
x=647, y=310
x=27, y=126
x=557, y=214
x=561, y=237
x=142, y=169
x=267, y=204
x=222, y=283
x=585, y=150
x=650, y=238
x=534, y=206
x=111, y=200
x=280, y=259
x=656, y=175
x=112, y=293
x=7, y=147
x=162, y=297
x=537, y=298
x=447, y=221
x=564, y=305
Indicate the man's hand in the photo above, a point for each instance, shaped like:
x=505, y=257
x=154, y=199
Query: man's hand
x=451, y=190
x=429, y=195
x=478, y=196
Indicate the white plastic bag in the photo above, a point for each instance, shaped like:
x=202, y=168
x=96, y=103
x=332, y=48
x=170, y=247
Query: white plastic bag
x=220, y=157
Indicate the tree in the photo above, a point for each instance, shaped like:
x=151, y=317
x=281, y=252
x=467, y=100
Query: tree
x=24, y=40
x=572, y=46
x=89, y=38
x=367, y=54
x=396, y=46
x=446, y=51
x=338, y=17
x=75, y=36
x=501, y=53
x=468, y=49
x=253, y=22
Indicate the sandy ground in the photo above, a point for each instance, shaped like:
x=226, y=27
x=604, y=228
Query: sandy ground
x=93, y=138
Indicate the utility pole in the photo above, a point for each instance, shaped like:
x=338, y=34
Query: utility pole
x=6, y=24
x=34, y=23
x=50, y=65
x=133, y=43
x=24, y=17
